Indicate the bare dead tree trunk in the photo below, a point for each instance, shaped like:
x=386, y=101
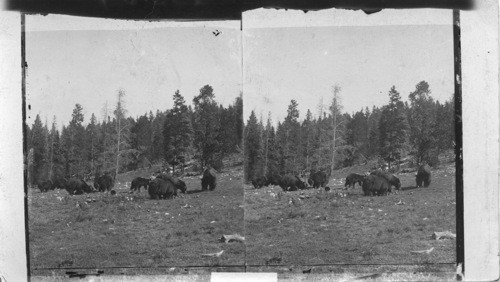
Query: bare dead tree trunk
x=118, y=143
x=307, y=155
x=334, y=111
x=105, y=131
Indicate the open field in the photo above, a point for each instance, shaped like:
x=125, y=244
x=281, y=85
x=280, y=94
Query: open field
x=315, y=227
x=285, y=232
x=99, y=230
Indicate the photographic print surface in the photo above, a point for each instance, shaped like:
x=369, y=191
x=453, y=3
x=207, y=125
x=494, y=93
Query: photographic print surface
x=134, y=134
x=349, y=139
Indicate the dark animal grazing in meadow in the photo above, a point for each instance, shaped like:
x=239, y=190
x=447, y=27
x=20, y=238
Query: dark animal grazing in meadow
x=352, y=179
x=179, y=184
x=259, y=182
x=104, y=182
x=393, y=180
x=60, y=183
x=423, y=176
x=318, y=179
x=273, y=179
x=76, y=186
x=45, y=186
x=139, y=182
x=374, y=185
x=209, y=179
x=161, y=189
x=290, y=182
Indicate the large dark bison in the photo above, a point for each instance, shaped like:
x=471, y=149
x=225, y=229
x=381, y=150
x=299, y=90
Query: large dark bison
x=273, y=179
x=374, y=185
x=76, y=186
x=162, y=189
x=209, y=179
x=60, y=183
x=352, y=179
x=259, y=182
x=290, y=182
x=318, y=179
x=423, y=176
x=179, y=184
x=45, y=186
x=393, y=180
x=104, y=182
x=139, y=182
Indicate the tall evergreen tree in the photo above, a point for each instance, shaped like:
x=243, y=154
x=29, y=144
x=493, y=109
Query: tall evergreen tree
x=444, y=126
x=422, y=117
x=38, y=148
x=374, y=133
x=291, y=138
x=177, y=132
x=393, y=127
x=206, y=127
x=142, y=140
x=92, y=135
x=252, y=148
x=157, y=142
x=307, y=134
x=76, y=145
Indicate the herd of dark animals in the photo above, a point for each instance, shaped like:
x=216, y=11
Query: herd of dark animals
x=376, y=183
x=159, y=186
x=165, y=186
x=290, y=182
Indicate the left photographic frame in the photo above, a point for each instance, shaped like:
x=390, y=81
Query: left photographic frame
x=133, y=144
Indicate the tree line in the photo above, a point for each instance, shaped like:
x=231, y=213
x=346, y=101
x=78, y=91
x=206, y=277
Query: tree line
x=199, y=135
x=419, y=130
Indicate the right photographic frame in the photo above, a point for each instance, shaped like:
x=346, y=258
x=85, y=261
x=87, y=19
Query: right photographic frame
x=350, y=139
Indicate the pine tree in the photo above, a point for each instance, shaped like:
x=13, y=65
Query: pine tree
x=272, y=167
x=444, y=127
x=422, y=117
x=75, y=145
x=291, y=139
x=374, y=133
x=141, y=140
x=177, y=132
x=57, y=166
x=252, y=148
x=158, y=143
x=52, y=146
x=206, y=127
x=281, y=148
x=92, y=135
x=393, y=128
x=307, y=133
x=38, y=146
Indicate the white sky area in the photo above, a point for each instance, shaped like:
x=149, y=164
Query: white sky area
x=285, y=54
x=85, y=60
x=364, y=54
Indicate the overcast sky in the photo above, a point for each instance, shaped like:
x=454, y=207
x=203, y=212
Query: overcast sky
x=83, y=60
x=365, y=59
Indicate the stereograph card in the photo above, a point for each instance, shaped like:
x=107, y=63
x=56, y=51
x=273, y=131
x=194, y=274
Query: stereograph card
x=327, y=145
